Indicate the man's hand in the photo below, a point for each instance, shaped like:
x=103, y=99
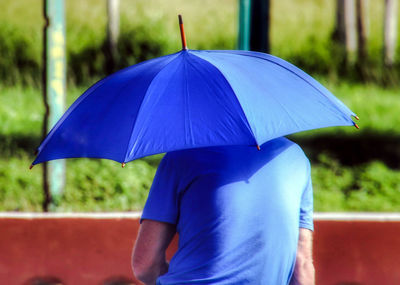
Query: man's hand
x=304, y=272
x=148, y=260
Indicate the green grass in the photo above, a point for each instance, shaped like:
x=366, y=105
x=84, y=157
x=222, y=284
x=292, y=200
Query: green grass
x=376, y=106
x=353, y=170
x=21, y=108
x=91, y=185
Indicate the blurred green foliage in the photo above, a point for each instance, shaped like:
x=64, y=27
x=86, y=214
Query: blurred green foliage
x=91, y=185
x=301, y=32
x=147, y=29
x=352, y=170
x=368, y=187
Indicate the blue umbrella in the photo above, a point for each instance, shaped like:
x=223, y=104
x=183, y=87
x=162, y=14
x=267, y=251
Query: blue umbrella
x=192, y=99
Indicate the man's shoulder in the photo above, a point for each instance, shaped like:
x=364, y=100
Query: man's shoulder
x=279, y=147
x=288, y=149
x=282, y=144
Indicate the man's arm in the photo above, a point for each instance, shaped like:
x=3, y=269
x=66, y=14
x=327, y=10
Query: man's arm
x=304, y=272
x=148, y=260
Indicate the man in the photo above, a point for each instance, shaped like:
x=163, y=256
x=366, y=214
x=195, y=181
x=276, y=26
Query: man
x=243, y=216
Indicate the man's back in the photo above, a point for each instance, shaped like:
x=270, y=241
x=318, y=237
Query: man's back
x=237, y=211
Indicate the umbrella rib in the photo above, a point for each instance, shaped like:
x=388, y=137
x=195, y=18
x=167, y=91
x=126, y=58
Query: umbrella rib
x=141, y=104
x=187, y=109
x=237, y=100
x=69, y=111
x=78, y=101
x=294, y=70
x=273, y=98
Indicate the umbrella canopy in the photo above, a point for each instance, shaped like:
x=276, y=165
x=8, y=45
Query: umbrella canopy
x=192, y=99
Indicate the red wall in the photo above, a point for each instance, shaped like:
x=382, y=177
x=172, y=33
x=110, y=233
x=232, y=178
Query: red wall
x=357, y=252
x=91, y=251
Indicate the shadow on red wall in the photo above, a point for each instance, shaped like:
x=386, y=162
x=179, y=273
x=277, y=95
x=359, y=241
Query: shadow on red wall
x=98, y=251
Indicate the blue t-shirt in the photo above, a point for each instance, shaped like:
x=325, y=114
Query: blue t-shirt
x=237, y=211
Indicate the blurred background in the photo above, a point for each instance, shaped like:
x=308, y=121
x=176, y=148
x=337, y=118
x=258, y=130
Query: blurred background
x=352, y=170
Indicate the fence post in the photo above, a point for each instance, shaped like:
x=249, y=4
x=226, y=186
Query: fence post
x=54, y=92
x=390, y=32
x=112, y=34
x=244, y=24
x=362, y=35
x=345, y=31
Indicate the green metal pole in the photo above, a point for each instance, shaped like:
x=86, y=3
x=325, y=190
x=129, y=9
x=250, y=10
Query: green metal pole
x=55, y=91
x=244, y=24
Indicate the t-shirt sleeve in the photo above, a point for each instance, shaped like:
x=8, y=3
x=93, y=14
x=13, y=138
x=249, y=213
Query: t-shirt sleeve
x=306, y=206
x=162, y=202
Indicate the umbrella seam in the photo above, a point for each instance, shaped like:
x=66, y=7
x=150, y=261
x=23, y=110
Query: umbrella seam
x=275, y=60
x=141, y=104
x=64, y=116
x=240, y=106
x=73, y=107
x=78, y=101
x=278, y=102
x=187, y=105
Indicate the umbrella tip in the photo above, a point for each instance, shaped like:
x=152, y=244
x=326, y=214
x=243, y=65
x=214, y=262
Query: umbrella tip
x=357, y=118
x=258, y=147
x=356, y=126
x=183, y=37
x=123, y=164
x=30, y=167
